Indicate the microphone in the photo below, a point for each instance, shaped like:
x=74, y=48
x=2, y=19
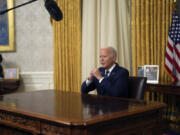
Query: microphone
x=50, y=5
x=3, y=12
x=53, y=10
x=7, y=10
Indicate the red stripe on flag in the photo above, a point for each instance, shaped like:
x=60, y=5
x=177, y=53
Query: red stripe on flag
x=175, y=78
x=177, y=66
x=169, y=58
x=168, y=70
x=177, y=52
x=170, y=46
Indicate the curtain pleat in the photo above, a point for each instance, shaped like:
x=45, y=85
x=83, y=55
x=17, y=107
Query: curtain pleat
x=105, y=23
x=67, y=47
x=150, y=24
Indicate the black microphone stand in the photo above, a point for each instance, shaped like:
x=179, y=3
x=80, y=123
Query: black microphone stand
x=5, y=11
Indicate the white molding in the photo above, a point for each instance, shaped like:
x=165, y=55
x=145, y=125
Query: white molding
x=32, y=81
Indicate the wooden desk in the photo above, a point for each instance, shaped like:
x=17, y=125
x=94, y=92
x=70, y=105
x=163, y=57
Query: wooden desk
x=64, y=113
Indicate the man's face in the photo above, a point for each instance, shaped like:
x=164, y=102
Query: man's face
x=106, y=58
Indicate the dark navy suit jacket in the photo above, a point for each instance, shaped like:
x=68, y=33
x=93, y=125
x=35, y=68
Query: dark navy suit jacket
x=116, y=84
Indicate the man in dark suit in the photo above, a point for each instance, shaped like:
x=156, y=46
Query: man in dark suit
x=110, y=79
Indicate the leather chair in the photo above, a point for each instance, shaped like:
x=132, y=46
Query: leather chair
x=136, y=87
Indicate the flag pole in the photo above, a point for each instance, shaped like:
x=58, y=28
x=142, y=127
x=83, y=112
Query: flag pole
x=175, y=5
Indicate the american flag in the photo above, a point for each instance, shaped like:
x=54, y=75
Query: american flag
x=172, y=55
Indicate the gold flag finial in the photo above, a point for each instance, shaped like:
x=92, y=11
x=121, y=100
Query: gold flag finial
x=175, y=5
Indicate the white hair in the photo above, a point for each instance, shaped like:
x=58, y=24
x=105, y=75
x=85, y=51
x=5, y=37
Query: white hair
x=112, y=51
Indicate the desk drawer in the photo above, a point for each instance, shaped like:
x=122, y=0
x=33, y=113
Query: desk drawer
x=48, y=128
x=21, y=122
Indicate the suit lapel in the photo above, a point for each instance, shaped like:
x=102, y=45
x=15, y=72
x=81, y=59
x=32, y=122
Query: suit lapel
x=113, y=72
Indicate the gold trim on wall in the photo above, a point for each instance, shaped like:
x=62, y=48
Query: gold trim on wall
x=10, y=14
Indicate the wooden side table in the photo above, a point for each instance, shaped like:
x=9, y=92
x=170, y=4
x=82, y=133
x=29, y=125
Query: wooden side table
x=8, y=86
x=168, y=93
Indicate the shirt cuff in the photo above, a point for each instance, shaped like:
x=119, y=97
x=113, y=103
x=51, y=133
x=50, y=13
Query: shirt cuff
x=101, y=80
x=88, y=82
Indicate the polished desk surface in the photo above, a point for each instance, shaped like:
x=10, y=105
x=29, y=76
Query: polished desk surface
x=73, y=108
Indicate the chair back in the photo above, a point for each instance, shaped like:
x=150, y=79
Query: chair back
x=136, y=87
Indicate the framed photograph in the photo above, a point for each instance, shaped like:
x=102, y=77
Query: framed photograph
x=11, y=73
x=152, y=73
x=141, y=71
x=7, y=42
x=149, y=71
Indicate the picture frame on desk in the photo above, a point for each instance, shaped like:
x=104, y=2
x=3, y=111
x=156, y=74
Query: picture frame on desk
x=7, y=38
x=149, y=71
x=11, y=73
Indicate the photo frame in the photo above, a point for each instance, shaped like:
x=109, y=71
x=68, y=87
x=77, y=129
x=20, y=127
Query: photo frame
x=7, y=39
x=11, y=73
x=149, y=71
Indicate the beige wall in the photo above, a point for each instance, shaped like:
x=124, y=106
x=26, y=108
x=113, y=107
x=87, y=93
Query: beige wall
x=33, y=39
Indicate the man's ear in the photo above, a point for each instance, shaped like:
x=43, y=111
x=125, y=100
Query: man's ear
x=114, y=59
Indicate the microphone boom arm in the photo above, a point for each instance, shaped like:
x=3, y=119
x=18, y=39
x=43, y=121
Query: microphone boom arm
x=5, y=11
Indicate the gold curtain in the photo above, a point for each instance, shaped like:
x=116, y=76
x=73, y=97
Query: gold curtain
x=150, y=24
x=67, y=47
